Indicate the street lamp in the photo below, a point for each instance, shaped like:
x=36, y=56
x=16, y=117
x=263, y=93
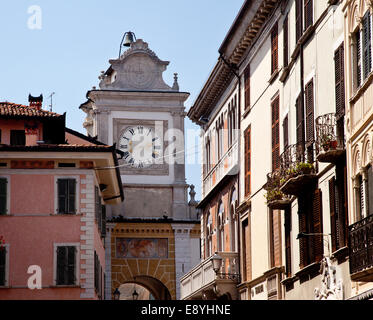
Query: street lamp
x=303, y=235
x=116, y=294
x=216, y=261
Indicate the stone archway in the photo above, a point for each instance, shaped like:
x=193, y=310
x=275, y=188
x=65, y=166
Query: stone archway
x=147, y=288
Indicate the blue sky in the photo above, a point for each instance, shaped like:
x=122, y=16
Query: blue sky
x=77, y=38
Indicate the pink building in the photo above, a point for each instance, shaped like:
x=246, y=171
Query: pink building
x=52, y=213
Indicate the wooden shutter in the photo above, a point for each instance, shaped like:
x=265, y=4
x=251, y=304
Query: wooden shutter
x=309, y=112
x=3, y=195
x=370, y=191
x=96, y=271
x=66, y=196
x=358, y=59
x=285, y=127
x=17, y=137
x=339, y=82
x=303, y=242
x=298, y=19
x=248, y=161
x=2, y=266
x=103, y=225
x=286, y=41
x=288, y=242
x=274, y=46
x=275, y=106
x=247, y=87
x=367, y=45
x=333, y=215
x=71, y=265
x=318, y=241
x=300, y=121
x=271, y=239
x=308, y=13
x=71, y=195
x=61, y=265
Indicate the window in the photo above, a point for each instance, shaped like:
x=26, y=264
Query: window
x=232, y=121
x=66, y=196
x=298, y=19
x=274, y=48
x=288, y=270
x=308, y=14
x=310, y=120
x=208, y=156
x=362, y=51
x=310, y=221
x=286, y=41
x=208, y=235
x=364, y=194
x=246, y=250
x=339, y=82
x=3, y=265
x=3, y=196
x=247, y=87
x=274, y=237
x=219, y=138
x=221, y=226
x=98, y=276
x=17, y=137
x=285, y=127
x=66, y=265
x=338, y=209
x=275, y=106
x=300, y=121
x=248, y=161
x=100, y=213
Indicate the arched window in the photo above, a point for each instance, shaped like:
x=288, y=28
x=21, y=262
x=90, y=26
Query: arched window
x=221, y=222
x=209, y=231
x=233, y=220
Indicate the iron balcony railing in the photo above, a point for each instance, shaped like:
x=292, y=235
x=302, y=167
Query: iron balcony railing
x=361, y=245
x=329, y=134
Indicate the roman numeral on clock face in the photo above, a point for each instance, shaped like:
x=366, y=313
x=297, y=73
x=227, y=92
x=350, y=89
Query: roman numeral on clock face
x=132, y=131
x=126, y=155
x=124, y=146
x=140, y=130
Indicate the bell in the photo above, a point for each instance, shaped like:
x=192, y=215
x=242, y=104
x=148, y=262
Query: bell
x=128, y=39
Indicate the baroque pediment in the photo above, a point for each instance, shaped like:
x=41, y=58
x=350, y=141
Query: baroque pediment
x=138, y=68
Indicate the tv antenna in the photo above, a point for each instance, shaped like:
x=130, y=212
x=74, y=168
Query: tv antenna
x=51, y=104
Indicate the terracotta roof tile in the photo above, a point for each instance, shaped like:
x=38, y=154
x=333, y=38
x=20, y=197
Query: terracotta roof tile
x=9, y=109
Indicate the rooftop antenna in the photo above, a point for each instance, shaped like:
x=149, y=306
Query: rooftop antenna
x=51, y=104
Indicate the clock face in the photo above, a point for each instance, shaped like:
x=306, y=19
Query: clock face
x=141, y=146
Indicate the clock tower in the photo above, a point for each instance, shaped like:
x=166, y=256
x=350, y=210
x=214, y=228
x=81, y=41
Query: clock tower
x=153, y=237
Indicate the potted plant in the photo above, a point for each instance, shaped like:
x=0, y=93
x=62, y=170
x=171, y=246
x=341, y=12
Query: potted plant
x=304, y=168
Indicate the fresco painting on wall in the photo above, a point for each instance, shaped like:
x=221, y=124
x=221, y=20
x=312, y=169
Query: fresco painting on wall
x=141, y=248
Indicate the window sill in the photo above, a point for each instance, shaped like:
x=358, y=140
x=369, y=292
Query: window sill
x=65, y=286
x=340, y=255
x=302, y=40
x=246, y=113
x=309, y=272
x=361, y=90
x=65, y=214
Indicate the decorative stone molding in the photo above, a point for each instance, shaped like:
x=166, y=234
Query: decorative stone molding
x=331, y=288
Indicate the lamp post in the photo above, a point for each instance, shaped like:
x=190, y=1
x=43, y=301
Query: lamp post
x=135, y=295
x=116, y=294
x=217, y=261
x=302, y=235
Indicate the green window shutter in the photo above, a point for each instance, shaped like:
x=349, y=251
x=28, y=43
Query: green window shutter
x=71, y=265
x=71, y=195
x=3, y=195
x=61, y=265
x=66, y=196
x=367, y=45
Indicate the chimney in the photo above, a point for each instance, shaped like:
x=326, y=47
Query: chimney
x=35, y=102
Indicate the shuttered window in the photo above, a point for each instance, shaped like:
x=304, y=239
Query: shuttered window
x=310, y=120
x=275, y=106
x=248, y=161
x=333, y=214
x=274, y=46
x=300, y=121
x=3, y=195
x=370, y=190
x=66, y=196
x=298, y=19
x=98, y=276
x=285, y=127
x=367, y=44
x=288, y=242
x=246, y=250
x=66, y=265
x=2, y=266
x=339, y=82
x=17, y=137
x=358, y=59
x=247, y=87
x=308, y=14
x=310, y=221
x=286, y=41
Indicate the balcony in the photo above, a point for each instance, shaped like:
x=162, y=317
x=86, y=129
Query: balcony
x=227, y=165
x=297, y=170
x=203, y=283
x=330, y=143
x=361, y=250
x=276, y=199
